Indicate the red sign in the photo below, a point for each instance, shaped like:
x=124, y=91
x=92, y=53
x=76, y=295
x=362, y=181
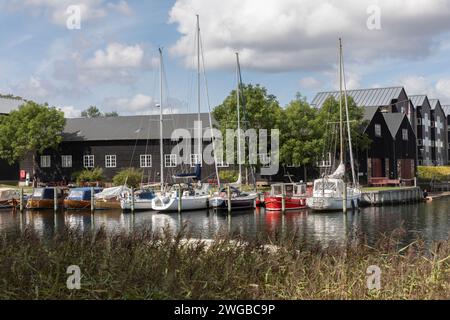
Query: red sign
x=23, y=174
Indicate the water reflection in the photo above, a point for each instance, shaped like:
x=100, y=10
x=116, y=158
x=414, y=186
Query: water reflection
x=431, y=221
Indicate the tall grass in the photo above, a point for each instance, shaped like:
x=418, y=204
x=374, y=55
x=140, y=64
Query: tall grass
x=142, y=265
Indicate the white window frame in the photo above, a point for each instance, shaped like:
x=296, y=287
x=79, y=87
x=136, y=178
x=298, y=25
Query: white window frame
x=145, y=161
x=66, y=161
x=222, y=164
x=194, y=160
x=88, y=161
x=378, y=132
x=46, y=161
x=110, y=161
x=170, y=160
x=405, y=135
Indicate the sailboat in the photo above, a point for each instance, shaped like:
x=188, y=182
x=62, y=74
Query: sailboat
x=331, y=193
x=143, y=199
x=185, y=197
x=237, y=199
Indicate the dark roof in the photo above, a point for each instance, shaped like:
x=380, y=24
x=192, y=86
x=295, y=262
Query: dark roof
x=433, y=103
x=418, y=100
x=369, y=112
x=8, y=104
x=446, y=110
x=129, y=127
x=393, y=121
x=375, y=97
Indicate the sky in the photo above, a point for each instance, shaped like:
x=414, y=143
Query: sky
x=111, y=60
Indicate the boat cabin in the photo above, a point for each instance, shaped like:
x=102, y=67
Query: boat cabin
x=288, y=189
x=47, y=194
x=82, y=194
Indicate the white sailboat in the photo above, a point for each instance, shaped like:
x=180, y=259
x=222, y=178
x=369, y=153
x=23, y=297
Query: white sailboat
x=238, y=199
x=331, y=193
x=143, y=199
x=191, y=198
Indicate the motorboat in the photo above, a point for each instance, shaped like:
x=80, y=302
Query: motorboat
x=80, y=198
x=238, y=199
x=294, y=197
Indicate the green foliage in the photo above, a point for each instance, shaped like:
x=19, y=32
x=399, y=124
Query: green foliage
x=131, y=177
x=433, y=173
x=228, y=176
x=94, y=112
x=31, y=128
x=89, y=175
x=91, y=112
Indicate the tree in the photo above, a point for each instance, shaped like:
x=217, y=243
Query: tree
x=91, y=112
x=131, y=177
x=301, y=135
x=32, y=128
x=94, y=112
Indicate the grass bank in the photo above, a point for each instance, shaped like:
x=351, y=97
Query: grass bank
x=140, y=265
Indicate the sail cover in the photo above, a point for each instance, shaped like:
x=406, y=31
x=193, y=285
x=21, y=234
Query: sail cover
x=338, y=173
x=110, y=193
x=8, y=194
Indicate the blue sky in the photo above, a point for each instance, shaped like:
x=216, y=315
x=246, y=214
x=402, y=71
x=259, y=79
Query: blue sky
x=288, y=46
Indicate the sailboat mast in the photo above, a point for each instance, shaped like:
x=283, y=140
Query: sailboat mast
x=352, y=163
x=238, y=117
x=341, y=129
x=161, y=151
x=199, y=153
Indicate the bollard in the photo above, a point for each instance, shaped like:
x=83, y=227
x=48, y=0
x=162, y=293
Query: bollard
x=132, y=199
x=283, y=199
x=229, y=199
x=92, y=199
x=179, y=198
x=21, y=200
x=55, y=199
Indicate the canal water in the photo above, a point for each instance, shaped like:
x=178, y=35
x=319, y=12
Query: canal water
x=431, y=221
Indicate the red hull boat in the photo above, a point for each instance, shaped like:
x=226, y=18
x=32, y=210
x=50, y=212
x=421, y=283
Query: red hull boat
x=295, y=197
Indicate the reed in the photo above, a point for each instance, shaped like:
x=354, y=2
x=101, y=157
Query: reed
x=144, y=265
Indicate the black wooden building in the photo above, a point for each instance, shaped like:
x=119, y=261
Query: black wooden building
x=116, y=143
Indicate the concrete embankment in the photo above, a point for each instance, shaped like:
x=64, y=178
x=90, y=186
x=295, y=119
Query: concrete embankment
x=391, y=196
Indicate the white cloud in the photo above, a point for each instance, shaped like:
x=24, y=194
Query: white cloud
x=434, y=88
x=310, y=83
x=117, y=55
x=70, y=112
x=143, y=104
x=121, y=7
x=56, y=12
x=302, y=34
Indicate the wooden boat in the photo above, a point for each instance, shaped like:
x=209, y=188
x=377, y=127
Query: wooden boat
x=79, y=198
x=43, y=198
x=9, y=198
x=295, y=197
x=238, y=200
x=142, y=200
x=109, y=198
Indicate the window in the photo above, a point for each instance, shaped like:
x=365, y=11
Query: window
x=110, y=161
x=419, y=142
x=195, y=160
x=419, y=121
x=222, y=164
x=45, y=161
x=146, y=160
x=88, y=161
x=66, y=161
x=377, y=130
x=170, y=160
x=405, y=134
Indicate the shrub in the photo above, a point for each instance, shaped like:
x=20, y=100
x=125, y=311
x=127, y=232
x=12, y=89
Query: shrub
x=228, y=176
x=89, y=175
x=434, y=173
x=132, y=177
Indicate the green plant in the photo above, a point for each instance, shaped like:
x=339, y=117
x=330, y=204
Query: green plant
x=426, y=173
x=89, y=175
x=228, y=176
x=131, y=177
